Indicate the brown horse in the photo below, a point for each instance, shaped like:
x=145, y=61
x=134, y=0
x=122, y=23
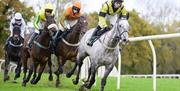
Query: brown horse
x=67, y=47
x=39, y=53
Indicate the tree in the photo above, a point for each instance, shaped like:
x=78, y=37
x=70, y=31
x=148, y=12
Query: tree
x=137, y=56
x=168, y=54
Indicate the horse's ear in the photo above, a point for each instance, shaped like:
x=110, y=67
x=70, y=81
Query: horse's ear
x=124, y=16
x=127, y=16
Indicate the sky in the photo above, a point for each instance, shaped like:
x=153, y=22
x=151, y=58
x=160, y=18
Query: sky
x=95, y=5
x=141, y=6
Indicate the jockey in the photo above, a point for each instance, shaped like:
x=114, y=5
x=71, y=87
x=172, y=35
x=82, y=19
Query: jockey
x=16, y=21
x=40, y=19
x=110, y=10
x=68, y=20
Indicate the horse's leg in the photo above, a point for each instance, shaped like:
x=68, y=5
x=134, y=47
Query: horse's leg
x=18, y=69
x=79, y=62
x=59, y=71
x=108, y=69
x=69, y=74
x=24, y=70
x=6, y=77
x=30, y=72
x=24, y=59
x=92, y=76
x=34, y=70
x=50, y=70
x=41, y=69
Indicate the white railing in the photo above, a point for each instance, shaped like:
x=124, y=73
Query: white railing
x=12, y=66
x=151, y=76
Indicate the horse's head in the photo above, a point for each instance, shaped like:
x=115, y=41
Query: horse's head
x=81, y=25
x=122, y=26
x=16, y=35
x=50, y=25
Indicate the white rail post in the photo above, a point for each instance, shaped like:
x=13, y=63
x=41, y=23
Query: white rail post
x=154, y=64
x=14, y=69
x=119, y=71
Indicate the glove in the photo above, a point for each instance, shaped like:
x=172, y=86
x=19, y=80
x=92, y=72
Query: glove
x=67, y=27
x=109, y=27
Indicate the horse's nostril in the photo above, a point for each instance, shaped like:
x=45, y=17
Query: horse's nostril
x=124, y=39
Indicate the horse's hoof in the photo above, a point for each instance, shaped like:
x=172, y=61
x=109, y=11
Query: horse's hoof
x=14, y=81
x=87, y=86
x=51, y=78
x=75, y=82
x=32, y=81
x=6, y=78
x=17, y=75
x=82, y=88
x=24, y=84
x=27, y=80
x=68, y=75
x=57, y=83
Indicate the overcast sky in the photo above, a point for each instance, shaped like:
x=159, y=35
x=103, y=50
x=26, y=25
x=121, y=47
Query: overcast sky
x=139, y=5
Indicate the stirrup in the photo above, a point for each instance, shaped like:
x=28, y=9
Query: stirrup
x=90, y=42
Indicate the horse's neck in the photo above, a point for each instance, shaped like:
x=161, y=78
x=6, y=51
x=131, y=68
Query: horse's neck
x=109, y=38
x=44, y=39
x=73, y=37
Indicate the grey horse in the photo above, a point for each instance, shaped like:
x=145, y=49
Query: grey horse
x=104, y=52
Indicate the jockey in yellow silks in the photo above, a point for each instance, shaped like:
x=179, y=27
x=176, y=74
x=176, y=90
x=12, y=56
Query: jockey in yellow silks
x=110, y=11
x=40, y=19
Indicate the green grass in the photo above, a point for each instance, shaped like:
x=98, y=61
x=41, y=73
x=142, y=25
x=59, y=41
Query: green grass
x=127, y=84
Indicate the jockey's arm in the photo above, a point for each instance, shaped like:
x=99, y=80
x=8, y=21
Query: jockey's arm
x=36, y=21
x=102, y=15
x=23, y=28
x=23, y=25
x=62, y=19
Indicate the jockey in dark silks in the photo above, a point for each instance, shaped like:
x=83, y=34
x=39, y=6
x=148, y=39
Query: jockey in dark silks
x=110, y=10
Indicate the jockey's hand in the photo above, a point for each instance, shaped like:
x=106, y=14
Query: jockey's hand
x=67, y=27
x=109, y=27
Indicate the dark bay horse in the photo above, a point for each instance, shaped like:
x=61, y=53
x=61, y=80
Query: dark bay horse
x=40, y=51
x=13, y=53
x=67, y=47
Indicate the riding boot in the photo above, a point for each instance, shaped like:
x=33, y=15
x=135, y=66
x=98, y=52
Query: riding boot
x=7, y=41
x=56, y=39
x=94, y=36
x=62, y=35
x=65, y=33
x=33, y=36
